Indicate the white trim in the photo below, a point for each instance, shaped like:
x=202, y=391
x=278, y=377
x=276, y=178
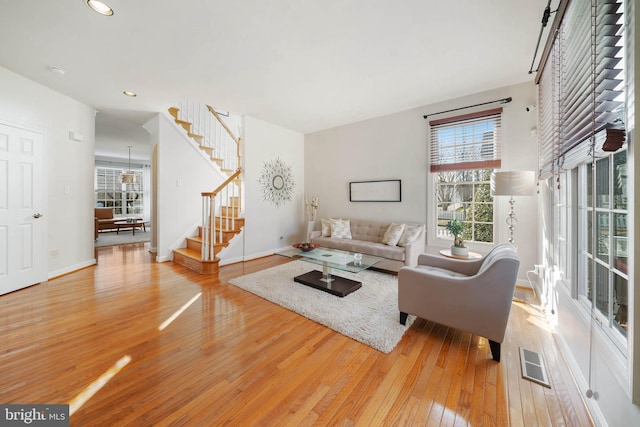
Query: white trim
x=581, y=382
x=71, y=269
x=609, y=351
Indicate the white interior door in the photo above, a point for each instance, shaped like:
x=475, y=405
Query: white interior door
x=22, y=230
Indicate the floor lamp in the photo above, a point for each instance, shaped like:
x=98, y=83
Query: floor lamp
x=512, y=183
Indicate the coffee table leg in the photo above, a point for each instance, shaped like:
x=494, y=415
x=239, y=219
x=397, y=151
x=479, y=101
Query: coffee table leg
x=326, y=273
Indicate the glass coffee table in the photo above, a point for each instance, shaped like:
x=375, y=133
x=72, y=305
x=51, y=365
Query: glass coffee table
x=331, y=259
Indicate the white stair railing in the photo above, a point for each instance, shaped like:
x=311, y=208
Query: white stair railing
x=215, y=132
x=218, y=205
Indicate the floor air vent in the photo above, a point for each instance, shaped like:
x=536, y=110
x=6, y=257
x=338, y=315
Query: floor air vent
x=533, y=367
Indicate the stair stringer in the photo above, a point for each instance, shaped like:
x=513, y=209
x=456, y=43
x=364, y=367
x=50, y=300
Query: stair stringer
x=233, y=242
x=194, y=144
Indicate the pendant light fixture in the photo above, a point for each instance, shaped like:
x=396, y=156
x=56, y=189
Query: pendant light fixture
x=129, y=177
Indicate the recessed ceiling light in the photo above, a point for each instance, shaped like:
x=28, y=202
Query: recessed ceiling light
x=100, y=7
x=129, y=93
x=57, y=70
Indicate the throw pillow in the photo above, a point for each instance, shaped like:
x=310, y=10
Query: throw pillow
x=410, y=234
x=341, y=228
x=393, y=234
x=326, y=227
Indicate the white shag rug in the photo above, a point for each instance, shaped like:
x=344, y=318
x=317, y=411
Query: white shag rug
x=369, y=315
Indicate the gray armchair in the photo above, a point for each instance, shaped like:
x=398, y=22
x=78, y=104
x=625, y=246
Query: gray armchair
x=471, y=295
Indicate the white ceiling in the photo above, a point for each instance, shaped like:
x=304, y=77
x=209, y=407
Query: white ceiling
x=306, y=65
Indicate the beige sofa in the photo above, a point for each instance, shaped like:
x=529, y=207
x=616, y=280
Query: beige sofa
x=471, y=295
x=366, y=238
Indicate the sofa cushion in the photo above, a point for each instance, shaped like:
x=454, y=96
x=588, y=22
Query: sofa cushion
x=370, y=248
x=340, y=229
x=367, y=230
x=410, y=234
x=392, y=235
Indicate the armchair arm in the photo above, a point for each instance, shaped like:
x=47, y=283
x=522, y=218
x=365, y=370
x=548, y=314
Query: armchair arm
x=462, y=266
x=413, y=250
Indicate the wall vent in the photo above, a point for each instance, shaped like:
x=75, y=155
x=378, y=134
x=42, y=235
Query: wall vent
x=533, y=368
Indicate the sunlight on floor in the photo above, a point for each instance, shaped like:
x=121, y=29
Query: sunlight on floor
x=179, y=312
x=77, y=402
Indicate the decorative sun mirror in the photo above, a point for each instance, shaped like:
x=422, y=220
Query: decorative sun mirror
x=276, y=182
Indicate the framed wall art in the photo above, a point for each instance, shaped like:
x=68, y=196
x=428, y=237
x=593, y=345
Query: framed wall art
x=376, y=191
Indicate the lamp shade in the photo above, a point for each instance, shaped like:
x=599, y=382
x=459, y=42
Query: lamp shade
x=129, y=178
x=513, y=183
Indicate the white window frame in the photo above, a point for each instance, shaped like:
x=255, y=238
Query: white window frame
x=123, y=191
x=585, y=258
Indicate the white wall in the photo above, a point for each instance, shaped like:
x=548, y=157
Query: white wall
x=269, y=227
x=69, y=166
x=389, y=147
x=395, y=147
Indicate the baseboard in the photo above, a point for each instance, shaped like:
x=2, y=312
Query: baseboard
x=580, y=381
x=67, y=270
x=228, y=261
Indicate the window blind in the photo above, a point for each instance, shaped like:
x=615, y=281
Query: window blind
x=580, y=87
x=466, y=142
x=549, y=113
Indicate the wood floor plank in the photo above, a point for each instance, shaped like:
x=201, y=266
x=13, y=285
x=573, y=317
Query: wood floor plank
x=232, y=357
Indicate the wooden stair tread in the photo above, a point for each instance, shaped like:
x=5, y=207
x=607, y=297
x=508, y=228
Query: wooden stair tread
x=193, y=254
x=185, y=125
x=192, y=259
x=217, y=245
x=195, y=136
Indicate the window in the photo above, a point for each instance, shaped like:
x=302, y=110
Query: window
x=464, y=151
x=465, y=196
x=125, y=199
x=603, y=248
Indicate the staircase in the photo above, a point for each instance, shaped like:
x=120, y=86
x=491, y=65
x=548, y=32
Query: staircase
x=222, y=207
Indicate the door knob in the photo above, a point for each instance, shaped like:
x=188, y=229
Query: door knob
x=37, y=215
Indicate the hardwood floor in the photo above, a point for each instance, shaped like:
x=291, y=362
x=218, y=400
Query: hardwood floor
x=98, y=339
